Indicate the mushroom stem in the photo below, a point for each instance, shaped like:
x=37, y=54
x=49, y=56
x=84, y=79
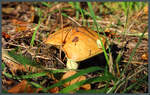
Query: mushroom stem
x=71, y=64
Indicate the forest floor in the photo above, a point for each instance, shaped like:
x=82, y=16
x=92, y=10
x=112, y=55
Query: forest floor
x=25, y=25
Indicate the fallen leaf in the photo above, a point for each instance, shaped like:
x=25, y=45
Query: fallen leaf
x=22, y=87
x=8, y=81
x=145, y=56
x=54, y=90
x=8, y=10
x=32, y=10
x=86, y=86
x=38, y=90
x=21, y=28
x=20, y=23
x=5, y=35
x=146, y=10
x=78, y=79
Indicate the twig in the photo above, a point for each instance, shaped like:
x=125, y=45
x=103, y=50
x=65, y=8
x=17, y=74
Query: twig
x=98, y=21
x=18, y=45
x=74, y=21
x=136, y=62
x=129, y=78
x=134, y=20
x=43, y=57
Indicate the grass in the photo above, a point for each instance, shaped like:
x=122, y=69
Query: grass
x=92, y=80
x=26, y=61
x=134, y=85
x=94, y=19
x=79, y=11
x=106, y=77
x=29, y=76
x=37, y=27
x=82, y=72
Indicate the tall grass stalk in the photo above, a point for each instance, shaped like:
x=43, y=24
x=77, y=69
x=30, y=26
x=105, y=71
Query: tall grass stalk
x=94, y=19
x=81, y=11
x=36, y=28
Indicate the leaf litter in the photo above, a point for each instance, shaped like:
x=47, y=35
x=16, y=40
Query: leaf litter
x=19, y=20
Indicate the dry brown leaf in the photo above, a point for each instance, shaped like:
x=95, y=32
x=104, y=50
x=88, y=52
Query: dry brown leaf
x=78, y=79
x=5, y=35
x=32, y=9
x=145, y=56
x=22, y=87
x=21, y=28
x=8, y=10
x=146, y=10
x=38, y=90
x=20, y=23
x=54, y=90
x=86, y=86
x=8, y=81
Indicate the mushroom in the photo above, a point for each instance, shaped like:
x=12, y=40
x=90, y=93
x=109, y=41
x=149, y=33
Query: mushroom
x=78, y=44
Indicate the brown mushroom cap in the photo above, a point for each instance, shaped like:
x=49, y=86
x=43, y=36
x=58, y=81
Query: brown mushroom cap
x=78, y=43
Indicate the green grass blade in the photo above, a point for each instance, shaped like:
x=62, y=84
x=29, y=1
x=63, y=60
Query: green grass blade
x=92, y=14
x=38, y=86
x=94, y=19
x=130, y=59
x=82, y=72
x=21, y=59
x=3, y=66
x=46, y=4
x=49, y=5
x=34, y=34
x=4, y=91
x=29, y=76
x=8, y=75
x=92, y=91
x=71, y=3
x=77, y=6
x=92, y=80
x=40, y=13
x=33, y=75
x=134, y=50
x=134, y=84
x=25, y=61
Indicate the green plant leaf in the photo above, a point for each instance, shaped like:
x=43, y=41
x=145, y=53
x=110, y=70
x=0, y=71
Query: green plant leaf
x=3, y=66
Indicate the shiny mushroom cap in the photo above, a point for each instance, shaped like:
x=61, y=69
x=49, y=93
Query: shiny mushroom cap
x=78, y=43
